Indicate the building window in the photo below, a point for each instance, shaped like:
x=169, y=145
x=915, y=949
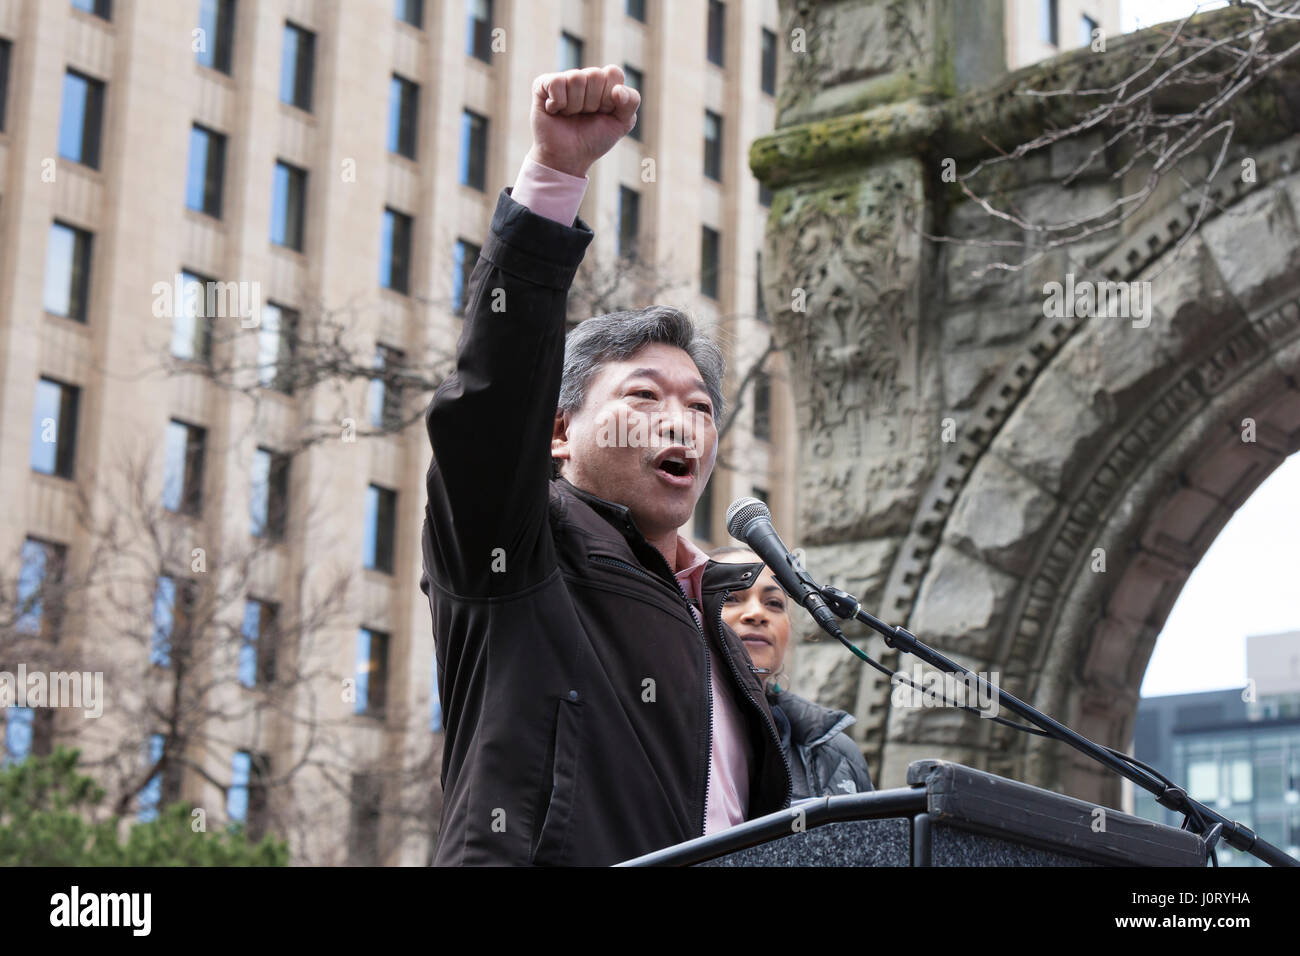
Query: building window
x=570, y=52
x=100, y=8
x=717, y=18
x=1047, y=22
x=764, y=195
x=386, y=396
x=363, y=820
x=257, y=650
x=395, y=252
x=5, y=49
x=246, y=797
x=183, y=468
x=19, y=723
x=38, y=607
x=478, y=31
x=207, y=163
x=635, y=79
x=192, y=323
x=54, y=427
x=174, y=602
x=403, y=115
x=713, y=145
x=269, y=502
x=760, y=494
x=372, y=672
x=636, y=9
x=466, y=257
x=412, y=12
x=288, y=205
x=762, y=406
x=67, y=271
x=629, y=221
x=217, y=39
x=709, y=244
x=769, y=62
x=276, y=346
x=760, y=307
x=380, y=529
x=81, y=119
x=473, y=149
x=164, y=787
x=1086, y=27
x=296, y=66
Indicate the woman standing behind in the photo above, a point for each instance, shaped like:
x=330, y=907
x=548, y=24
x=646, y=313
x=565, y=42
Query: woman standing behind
x=824, y=761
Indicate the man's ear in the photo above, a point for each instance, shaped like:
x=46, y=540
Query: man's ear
x=560, y=437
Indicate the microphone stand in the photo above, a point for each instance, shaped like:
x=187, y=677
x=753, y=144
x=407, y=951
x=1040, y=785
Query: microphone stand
x=1200, y=819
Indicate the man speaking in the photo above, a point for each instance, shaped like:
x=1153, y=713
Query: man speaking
x=596, y=706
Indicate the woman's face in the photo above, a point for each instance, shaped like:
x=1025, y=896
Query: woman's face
x=758, y=616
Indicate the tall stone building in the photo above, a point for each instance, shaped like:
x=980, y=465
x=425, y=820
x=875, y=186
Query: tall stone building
x=304, y=163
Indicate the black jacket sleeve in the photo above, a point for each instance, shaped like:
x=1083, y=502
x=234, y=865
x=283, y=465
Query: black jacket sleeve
x=490, y=421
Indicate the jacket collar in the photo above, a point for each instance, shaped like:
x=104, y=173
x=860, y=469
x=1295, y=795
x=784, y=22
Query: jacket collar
x=810, y=724
x=718, y=575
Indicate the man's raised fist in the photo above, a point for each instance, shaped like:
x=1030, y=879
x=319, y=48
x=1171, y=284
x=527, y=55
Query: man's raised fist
x=579, y=115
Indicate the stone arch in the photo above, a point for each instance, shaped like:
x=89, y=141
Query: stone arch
x=1103, y=435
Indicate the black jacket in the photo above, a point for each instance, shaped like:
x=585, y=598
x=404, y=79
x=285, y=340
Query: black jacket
x=574, y=679
x=825, y=761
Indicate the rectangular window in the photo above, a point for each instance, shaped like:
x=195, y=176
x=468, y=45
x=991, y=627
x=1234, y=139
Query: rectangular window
x=760, y=307
x=570, y=52
x=703, y=527
x=760, y=494
x=363, y=820
x=67, y=271
x=269, y=499
x=629, y=221
x=403, y=115
x=297, y=65
x=39, y=607
x=372, y=672
x=769, y=62
x=636, y=9
x=385, y=395
x=258, y=647
x=100, y=8
x=478, y=31
x=19, y=723
x=634, y=78
x=1086, y=27
x=1048, y=18
x=6, y=48
x=466, y=258
x=713, y=145
x=762, y=406
x=277, y=334
x=192, y=323
x=81, y=118
x=246, y=797
x=174, y=602
x=473, y=149
x=207, y=165
x=183, y=468
x=435, y=701
x=764, y=196
x=217, y=39
x=395, y=252
x=412, y=12
x=54, y=427
x=717, y=18
x=288, y=205
x=164, y=787
x=380, y=529
x=709, y=244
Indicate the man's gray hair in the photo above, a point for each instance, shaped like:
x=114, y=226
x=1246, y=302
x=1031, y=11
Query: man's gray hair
x=617, y=335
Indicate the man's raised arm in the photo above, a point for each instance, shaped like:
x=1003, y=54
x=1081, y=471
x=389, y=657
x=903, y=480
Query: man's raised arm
x=490, y=421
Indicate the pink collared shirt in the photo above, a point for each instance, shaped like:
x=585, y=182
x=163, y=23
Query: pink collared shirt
x=556, y=195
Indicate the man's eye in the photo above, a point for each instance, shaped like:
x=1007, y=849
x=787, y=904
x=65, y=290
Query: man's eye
x=644, y=391
x=704, y=407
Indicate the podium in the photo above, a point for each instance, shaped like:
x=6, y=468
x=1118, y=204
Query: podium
x=947, y=815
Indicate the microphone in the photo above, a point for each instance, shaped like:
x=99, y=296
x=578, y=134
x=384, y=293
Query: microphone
x=750, y=521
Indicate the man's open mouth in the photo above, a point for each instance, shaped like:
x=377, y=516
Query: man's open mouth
x=676, y=462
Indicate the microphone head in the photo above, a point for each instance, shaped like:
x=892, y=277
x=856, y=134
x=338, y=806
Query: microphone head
x=742, y=512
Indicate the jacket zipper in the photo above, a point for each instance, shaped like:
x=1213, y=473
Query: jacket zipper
x=708, y=673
